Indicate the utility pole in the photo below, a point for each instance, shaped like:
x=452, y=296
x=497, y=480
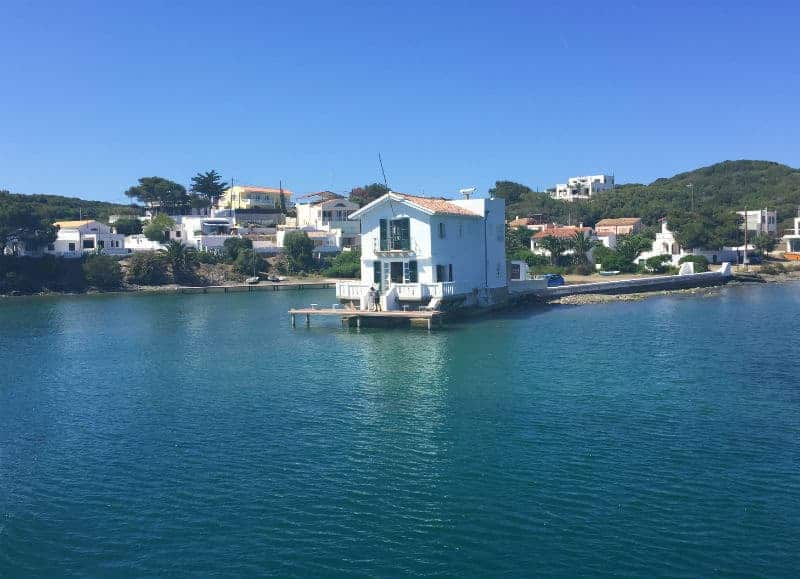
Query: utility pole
x=744, y=259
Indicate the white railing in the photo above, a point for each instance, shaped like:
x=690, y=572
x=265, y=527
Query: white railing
x=351, y=290
x=410, y=291
x=423, y=291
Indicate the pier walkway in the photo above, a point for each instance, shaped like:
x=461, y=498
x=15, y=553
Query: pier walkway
x=355, y=317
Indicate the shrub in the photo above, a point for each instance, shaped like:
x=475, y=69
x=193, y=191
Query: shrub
x=658, y=263
x=583, y=269
x=615, y=262
x=147, y=268
x=102, y=272
x=700, y=262
x=346, y=264
x=299, y=248
x=209, y=257
x=156, y=229
x=773, y=268
x=248, y=262
x=234, y=245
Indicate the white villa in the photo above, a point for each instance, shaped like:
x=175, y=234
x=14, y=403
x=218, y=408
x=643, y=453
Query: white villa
x=582, y=187
x=421, y=251
x=759, y=221
x=665, y=243
x=325, y=218
x=74, y=238
x=792, y=237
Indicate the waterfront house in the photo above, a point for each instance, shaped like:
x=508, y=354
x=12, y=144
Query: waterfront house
x=424, y=250
x=562, y=232
x=75, y=238
x=792, y=237
x=618, y=226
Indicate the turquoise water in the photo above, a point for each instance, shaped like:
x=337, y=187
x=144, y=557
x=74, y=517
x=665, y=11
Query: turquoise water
x=199, y=436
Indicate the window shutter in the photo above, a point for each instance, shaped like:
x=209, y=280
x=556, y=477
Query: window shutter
x=405, y=234
x=384, y=236
x=376, y=272
x=412, y=272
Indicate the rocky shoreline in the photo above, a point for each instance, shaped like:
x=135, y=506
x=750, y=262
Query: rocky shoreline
x=585, y=299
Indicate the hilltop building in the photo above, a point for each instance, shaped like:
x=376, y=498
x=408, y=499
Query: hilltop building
x=582, y=187
x=423, y=251
x=247, y=197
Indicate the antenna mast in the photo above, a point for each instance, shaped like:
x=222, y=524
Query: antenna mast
x=385, y=182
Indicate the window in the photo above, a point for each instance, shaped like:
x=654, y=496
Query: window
x=177, y=234
x=101, y=244
x=71, y=247
x=442, y=231
x=376, y=272
x=51, y=247
x=444, y=273
x=395, y=234
x=413, y=276
x=88, y=244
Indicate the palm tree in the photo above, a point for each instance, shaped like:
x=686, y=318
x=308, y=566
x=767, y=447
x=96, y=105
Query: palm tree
x=181, y=258
x=554, y=246
x=581, y=245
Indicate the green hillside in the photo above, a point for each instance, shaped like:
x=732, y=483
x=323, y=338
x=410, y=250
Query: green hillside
x=56, y=207
x=719, y=190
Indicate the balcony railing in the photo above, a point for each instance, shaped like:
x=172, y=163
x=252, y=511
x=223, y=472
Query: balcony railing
x=351, y=290
x=423, y=291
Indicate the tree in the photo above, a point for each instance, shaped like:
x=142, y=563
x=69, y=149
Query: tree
x=182, y=259
x=517, y=238
x=128, y=226
x=147, y=268
x=160, y=193
x=629, y=247
x=554, y=246
x=658, y=263
x=234, y=245
x=248, y=262
x=700, y=262
x=582, y=244
x=346, y=264
x=21, y=227
x=765, y=243
x=367, y=194
x=298, y=248
x=510, y=191
x=157, y=229
x=209, y=185
x=102, y=272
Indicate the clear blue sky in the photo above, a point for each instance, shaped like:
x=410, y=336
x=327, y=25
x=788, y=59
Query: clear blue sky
x=97, y=94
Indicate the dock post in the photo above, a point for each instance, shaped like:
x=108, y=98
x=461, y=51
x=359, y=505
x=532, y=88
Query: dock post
x=358, y=322
x=429, y=323
x=308, y=319
x=293, y=321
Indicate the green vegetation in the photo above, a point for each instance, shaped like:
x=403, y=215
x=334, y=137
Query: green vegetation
x=346, y=264
x=658, y=263
x=36, y=274
x=165, y=195
x=128, y=226
x=765, y=243
x=298, y=248
x=102, y=272
x=231, y=247
x=209, y=186
x=700, y=262
x=248, y=263
x=702, y=215
x=367, y=193
x=147, y=268
x=182, y=259
x=156, y=229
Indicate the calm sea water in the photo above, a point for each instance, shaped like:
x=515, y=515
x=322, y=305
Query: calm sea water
x=200, y=436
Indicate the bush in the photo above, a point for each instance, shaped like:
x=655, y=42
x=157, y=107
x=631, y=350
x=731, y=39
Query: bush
x=700, y=262
x=234, y=245
x=773, y=268
x=615, y=262
x=658, y=263
x=128, y=226
x=209, y=257
x=248, y=262
x=346, y=264
x=298, y=250
x=102, y=272
x=156, y=229
x=583, y=269
x=147, y=268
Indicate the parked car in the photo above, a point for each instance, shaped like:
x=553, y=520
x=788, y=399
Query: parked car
x=553, y=279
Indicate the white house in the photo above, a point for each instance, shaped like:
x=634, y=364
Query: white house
x=423, y=250
x=792, y=238
x=582, y=187
x=328, y=212
x=665, y=243
x=759, y=221
x=74, y=238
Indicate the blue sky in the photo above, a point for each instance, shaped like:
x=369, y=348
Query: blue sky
x=452, y=94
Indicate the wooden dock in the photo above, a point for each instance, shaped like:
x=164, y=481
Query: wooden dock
x=356, y=317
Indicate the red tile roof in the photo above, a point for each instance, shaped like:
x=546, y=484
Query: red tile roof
x=618, y=221
x=437, y=205
x=562, y=232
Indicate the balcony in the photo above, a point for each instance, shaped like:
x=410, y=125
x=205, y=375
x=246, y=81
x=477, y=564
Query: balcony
x=351, y=290
x=425, y=291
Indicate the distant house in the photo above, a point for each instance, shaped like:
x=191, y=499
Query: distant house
x=759, y=221
x=564, y=232
x=75, y=238
x=618, y=226
x=582, y=187
x=792, y=237
x=251, y=197
x=330, y=213
x=420, y=249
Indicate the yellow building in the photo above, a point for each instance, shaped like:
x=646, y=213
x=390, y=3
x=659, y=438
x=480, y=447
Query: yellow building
x=251, y=197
